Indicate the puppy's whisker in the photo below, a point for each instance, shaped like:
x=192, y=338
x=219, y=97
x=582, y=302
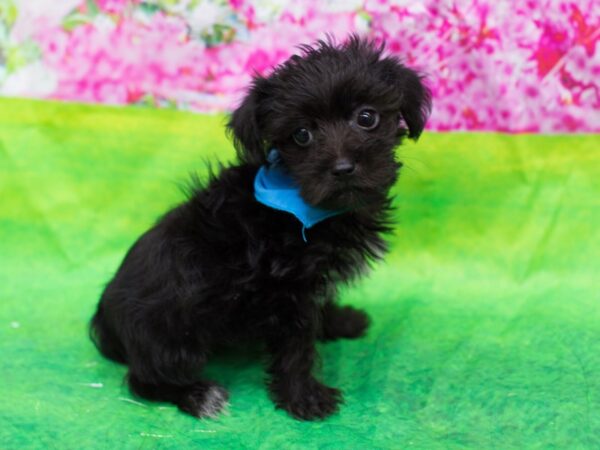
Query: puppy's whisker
x=406, y=166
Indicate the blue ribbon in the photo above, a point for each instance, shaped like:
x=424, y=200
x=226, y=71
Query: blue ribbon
x=275, y=188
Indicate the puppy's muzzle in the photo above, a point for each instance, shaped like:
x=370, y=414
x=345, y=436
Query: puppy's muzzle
x=343, y=167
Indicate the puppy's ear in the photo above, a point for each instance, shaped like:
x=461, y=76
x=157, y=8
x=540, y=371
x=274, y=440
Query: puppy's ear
x=246, y=122
x=415, y=97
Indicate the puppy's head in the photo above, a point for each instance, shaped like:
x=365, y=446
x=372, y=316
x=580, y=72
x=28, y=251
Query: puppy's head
x=335, y=113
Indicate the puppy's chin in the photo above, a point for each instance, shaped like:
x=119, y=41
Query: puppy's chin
x=353, y=199
x=365, y=193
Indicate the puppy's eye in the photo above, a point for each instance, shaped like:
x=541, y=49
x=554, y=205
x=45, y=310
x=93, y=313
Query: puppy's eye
x=367, y=119
x=302, y=137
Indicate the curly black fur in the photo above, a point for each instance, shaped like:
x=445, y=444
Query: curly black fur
x=224, y=269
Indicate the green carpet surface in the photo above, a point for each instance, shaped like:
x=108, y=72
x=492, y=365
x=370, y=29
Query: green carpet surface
x=486, y=313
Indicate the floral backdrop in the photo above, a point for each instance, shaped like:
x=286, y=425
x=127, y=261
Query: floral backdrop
x=529, y=65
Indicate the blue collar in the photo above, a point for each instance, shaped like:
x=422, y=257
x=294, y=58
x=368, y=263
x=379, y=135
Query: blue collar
x=274, y=187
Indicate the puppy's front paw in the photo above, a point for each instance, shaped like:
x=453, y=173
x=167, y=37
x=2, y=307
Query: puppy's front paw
x=204, y=399
x=307, y=399
x=344, y=322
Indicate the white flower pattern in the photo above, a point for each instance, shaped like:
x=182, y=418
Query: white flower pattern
x=492, y=65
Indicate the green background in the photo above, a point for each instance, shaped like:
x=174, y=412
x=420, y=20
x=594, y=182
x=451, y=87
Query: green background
x=486, y=314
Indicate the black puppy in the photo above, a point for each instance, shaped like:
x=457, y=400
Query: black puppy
x=224, y=268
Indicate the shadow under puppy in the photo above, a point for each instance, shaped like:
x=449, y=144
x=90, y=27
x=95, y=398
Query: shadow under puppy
x=256, y=254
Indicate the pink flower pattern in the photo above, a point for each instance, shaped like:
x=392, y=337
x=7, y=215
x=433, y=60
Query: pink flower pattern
x=530, y=66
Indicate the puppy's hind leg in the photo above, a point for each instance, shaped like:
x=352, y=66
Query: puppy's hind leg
x=202, y=398
x=342, y=322
x=173, y=377
x=104, y=338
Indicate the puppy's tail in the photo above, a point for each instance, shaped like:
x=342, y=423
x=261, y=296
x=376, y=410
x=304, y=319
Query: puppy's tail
x=104, y=337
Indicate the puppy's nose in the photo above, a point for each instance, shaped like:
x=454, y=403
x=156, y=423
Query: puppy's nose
x=342, y=167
